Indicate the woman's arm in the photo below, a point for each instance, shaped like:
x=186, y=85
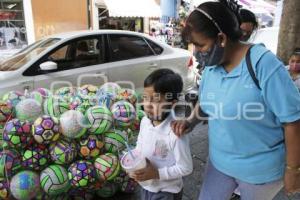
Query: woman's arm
x=292, y=141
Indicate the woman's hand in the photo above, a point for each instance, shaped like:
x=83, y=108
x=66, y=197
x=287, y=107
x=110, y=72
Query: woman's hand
x=148, y=173
x=291, y=182
x=181, y=127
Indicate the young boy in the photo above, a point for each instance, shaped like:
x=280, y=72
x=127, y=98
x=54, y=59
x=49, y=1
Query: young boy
x=169, y=157
x=294, y=67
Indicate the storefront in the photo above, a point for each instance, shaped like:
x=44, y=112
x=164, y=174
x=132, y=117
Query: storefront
x=132, y=15
x=12, y=25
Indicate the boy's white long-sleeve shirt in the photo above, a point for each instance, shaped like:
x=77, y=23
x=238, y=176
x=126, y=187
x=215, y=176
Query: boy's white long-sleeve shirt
x=170, y=154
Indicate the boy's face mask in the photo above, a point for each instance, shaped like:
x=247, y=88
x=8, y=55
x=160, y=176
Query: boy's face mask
x=211, y=57
x=294, y=67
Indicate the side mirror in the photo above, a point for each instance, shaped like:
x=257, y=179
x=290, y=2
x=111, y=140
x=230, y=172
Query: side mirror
x=48, y=66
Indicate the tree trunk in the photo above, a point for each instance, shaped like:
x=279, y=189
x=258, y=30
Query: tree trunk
x=289, y=34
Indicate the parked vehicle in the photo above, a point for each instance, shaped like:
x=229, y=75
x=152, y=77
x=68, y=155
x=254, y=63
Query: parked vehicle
x=93, y=57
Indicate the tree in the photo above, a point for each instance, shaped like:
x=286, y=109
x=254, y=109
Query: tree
x=289, y=34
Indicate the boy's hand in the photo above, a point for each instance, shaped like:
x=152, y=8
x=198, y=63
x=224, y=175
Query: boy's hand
x=149, y=172
x=181, y=127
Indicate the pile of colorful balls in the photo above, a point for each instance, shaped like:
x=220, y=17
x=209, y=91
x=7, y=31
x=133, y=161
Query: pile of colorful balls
x=67, y=144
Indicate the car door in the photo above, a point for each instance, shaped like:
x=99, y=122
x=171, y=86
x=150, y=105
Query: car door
x=131, y=60
x=79, y=61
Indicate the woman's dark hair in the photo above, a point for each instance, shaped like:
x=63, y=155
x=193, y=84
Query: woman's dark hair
x=224, y=12
x=247, y=16
x=165, y=81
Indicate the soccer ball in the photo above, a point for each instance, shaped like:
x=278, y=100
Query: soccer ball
x=63, y=151
x=127, y=95
x=73, y=124
x=25, y=185
x=106, y=99
x=81, y=173
x=110, y=88
x=13, y=98
x=126, y=184
x=28, y=109
x=37, y=96
x=109, y=189
x=65, y=93
x=4, y=189
x=5, y=112
x=35, y=157
x=115, y=141
x=54, y=180
x=90, y=147
x=18, y=134
x=83, y=103
x=123, y=114
x=45, y=130
x=107, y=166
x=55, y=107
x=87, y=90
x=44, y=92
x=100, y=119
x=10, y=162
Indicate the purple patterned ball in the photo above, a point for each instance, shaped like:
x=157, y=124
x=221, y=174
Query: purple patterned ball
x=17, y=134
x=35, y=158
x=10, y=162
x=46, y=130
x=81, y=173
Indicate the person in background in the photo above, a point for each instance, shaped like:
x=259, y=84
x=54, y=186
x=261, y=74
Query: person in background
x=153, y=32
x=294, y=67
x=248, y=24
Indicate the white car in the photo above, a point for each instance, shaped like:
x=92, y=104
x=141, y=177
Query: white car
x=93, y=57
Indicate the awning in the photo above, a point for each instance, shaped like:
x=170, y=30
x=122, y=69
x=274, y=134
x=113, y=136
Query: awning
x=130, y=8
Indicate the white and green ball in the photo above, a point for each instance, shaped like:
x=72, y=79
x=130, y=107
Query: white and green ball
x=109, y=87
x=55, y=106
x=100, y=119
x=28, y=109
x=73, y=124
x=115, y=141
x=37, y=96
x=107, y=167
x=54, y=180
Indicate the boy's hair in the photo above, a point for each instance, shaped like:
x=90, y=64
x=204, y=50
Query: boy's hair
x=165, y=81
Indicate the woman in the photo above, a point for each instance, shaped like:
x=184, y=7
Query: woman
x=248, y=24
x=253, y=120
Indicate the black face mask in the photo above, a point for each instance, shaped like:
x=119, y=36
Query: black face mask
x=212, y=57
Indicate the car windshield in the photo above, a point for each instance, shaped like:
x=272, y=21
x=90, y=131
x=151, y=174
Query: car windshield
x=26, y=55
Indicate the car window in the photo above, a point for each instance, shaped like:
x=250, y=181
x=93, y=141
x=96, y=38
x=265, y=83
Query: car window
x=77, y=54
x=74, y=54
x=124, y=47
x=156, y=48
